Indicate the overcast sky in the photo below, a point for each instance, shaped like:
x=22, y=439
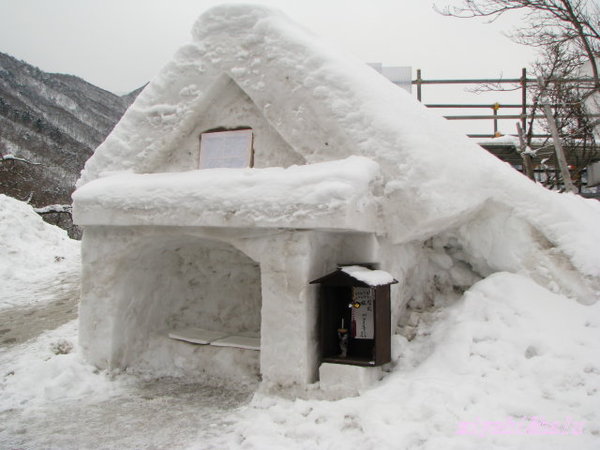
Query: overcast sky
x=121, y=44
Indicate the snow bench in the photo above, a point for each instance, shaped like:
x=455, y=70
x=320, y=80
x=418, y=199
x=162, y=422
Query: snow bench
x=217, y=338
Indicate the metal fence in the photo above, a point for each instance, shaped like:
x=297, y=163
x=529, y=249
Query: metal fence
x=545, y=160
x=521, y=111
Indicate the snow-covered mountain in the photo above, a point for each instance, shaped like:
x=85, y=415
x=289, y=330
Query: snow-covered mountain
x=55, y=121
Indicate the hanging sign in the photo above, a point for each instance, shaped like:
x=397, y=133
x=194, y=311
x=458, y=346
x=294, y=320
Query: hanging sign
x=226, y=149
x=363, y=300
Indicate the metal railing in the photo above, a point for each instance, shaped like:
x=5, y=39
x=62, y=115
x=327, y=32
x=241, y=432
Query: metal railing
x=522, y=83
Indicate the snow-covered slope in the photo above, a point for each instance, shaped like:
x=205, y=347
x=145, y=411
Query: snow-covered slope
x=34, y=255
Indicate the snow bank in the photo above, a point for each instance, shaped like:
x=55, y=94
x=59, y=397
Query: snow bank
x=50, y=370
x=32, y=253
x=509, y=352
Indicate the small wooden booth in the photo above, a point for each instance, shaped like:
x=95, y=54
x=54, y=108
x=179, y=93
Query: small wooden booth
x=354, y=316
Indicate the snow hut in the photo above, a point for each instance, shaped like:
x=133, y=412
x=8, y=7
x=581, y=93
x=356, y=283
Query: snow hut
x=332, y=164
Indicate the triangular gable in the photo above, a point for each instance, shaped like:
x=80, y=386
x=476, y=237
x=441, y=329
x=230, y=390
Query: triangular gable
x=226, y=107
x=325, y=104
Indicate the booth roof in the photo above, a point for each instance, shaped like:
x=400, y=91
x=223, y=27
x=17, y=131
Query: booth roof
x=355, y=275
x=368, y=276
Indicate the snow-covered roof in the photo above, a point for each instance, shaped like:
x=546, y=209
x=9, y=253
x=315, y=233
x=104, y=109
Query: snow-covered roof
x=322, y=105
x=372, y=277
x=326, y=105
x=331, y=195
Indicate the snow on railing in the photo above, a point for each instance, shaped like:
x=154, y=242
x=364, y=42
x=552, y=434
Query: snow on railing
x=16, y=158
x=67, y=209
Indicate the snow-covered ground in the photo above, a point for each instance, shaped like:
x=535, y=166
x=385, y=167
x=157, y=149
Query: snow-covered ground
x=52, y=400
x=484, y=370
x=508, y=352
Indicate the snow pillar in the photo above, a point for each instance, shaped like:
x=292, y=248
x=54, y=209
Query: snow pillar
x=100, y=252
x=288, y=328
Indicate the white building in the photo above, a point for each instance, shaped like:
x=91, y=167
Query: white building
x=347, y=168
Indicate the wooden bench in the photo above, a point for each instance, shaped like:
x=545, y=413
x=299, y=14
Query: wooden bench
x=201, y=336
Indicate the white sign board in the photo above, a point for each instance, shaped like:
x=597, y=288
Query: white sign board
x=226, y=149
x=362, y=317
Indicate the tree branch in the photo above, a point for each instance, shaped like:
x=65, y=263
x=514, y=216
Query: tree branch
x=10, y=157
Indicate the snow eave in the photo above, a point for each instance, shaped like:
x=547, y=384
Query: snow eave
x=334, y=220
x=336, y=195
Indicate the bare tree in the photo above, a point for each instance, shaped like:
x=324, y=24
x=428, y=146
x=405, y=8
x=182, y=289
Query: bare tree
x=567, y=34
x=572, y=24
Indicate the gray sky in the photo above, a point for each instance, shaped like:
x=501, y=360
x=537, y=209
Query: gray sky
x=121, y=44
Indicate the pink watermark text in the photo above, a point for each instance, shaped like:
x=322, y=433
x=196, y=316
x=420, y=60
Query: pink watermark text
x=533, y=425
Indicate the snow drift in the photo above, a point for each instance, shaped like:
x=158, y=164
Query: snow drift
x=32, y=253
x=497, y=369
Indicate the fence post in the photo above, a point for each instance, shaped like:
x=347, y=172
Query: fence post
x=527, y=163
x=524, y=100
x=495, y=108
x=419, y=80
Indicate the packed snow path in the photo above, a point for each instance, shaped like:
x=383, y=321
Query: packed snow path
x=20, y=324
x=159, y=414
x=164, y=413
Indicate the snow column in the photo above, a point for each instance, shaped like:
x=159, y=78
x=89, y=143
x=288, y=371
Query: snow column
x=288, y=327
